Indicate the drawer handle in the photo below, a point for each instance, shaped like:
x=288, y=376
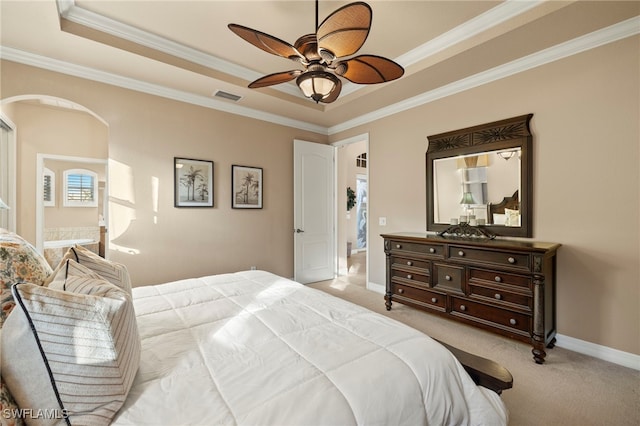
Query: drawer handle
x=498, y=279
x=512, y=321
x=432, y=250
x=511, y=260
x=434, y=300
x=409, y=277
x=498, y=296
x=409, y=263
x=461, y=253
x=398, y=246
x=463, y=308
x=401, y=290
x=447, y=277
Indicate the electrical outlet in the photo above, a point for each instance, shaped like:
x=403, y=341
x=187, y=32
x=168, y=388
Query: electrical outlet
x=253, y=268
x=382, y=221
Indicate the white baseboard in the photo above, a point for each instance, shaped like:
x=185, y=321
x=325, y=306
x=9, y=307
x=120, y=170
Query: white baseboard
x=605, y=353
x=626, y=359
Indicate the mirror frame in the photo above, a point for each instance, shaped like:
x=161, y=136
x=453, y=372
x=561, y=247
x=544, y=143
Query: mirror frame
x=504, y=134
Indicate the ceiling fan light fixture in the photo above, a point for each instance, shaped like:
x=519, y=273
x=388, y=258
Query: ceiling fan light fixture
x=317, y=85
x=340, y=35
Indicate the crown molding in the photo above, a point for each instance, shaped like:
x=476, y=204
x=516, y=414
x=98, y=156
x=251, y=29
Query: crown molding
x=595, y=39
x=589, y=41
x=70, y=11
x=50, y=64
x=495, y=16
x=471, y=28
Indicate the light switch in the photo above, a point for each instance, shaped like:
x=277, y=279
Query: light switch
x=382, y=221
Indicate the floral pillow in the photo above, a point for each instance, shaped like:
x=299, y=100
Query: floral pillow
x=19, y=262
x=8, y=408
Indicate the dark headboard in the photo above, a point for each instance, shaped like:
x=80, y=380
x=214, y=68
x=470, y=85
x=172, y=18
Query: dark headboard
x=512, y=203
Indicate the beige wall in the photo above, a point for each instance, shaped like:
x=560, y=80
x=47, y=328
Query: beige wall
x=586, y=180
x=157, y=241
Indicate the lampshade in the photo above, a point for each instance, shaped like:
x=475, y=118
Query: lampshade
x=467, y=198
x=3, y=205
x=317, y=85
x=506, y=154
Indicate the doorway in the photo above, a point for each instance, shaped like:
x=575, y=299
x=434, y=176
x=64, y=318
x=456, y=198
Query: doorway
x=352, y=231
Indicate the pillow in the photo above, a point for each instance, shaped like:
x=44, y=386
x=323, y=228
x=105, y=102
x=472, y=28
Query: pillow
x=19, y=262
x=8, y=408
x=512, y=217
x=499, y=219
x=71, y=354
x=71, y=268
x=115, y=273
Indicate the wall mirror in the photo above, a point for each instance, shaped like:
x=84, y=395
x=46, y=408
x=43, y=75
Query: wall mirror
x=481, y=176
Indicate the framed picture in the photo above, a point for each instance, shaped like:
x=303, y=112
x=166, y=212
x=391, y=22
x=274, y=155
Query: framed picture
x=193, y=182
x=246, y=187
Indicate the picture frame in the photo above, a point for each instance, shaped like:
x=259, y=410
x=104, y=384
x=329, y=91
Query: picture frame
x=193, y=182
x=246, y=187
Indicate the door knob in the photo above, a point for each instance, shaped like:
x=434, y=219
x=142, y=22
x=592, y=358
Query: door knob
x=298, y=230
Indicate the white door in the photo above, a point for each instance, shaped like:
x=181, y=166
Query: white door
x=314, y=211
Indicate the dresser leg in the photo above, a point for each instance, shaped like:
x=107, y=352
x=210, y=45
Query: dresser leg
x=538, y=352
x=387, y=302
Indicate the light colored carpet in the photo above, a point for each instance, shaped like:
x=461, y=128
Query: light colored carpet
x=569, y=389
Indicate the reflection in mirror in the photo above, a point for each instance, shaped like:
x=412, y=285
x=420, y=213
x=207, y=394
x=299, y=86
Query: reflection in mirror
x=466, y=186
x=480, y=176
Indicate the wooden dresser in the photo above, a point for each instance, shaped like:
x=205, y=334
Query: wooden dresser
x=504, y=286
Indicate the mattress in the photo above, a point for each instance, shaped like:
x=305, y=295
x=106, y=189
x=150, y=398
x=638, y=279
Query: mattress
x=253, y=348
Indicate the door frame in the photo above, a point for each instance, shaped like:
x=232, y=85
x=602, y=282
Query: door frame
x=9, y=151
x=364, y=137
x=40, y=159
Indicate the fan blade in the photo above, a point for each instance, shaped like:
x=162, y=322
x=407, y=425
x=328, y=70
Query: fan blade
x=334, y=95
x=276, y=78
x=266, y=42
x=345, y=30
x=369, y=69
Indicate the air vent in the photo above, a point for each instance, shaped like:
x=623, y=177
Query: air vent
x=229, y=96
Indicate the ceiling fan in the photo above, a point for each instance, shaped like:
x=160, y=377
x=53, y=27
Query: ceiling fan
x=323, y=54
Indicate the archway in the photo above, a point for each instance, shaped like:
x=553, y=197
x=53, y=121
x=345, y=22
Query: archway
x=46, y=129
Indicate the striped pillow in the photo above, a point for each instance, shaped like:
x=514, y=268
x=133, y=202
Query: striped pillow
x=115, y=273
x=71, y=354
x=71, y=268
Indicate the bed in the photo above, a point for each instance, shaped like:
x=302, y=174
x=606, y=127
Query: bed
x=241, y=348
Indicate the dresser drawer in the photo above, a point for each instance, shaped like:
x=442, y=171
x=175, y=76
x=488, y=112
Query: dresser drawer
x=421, y=295
x=482, y=276
x=498, y=296
x=448, y=277
x=493, y=316
x=498, y=258
x=400, y=262
x=435, y=250
x=418, y=277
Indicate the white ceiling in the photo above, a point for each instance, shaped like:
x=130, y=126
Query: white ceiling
x=184, y=50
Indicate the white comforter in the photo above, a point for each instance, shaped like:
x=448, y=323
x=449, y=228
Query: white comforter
x=253, y=348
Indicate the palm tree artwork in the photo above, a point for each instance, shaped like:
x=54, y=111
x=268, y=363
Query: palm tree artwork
x=247, y=187
x=194, y=180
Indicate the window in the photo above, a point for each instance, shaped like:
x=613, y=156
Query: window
x=361, y=160
x=80, y=188
x=49, y=188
